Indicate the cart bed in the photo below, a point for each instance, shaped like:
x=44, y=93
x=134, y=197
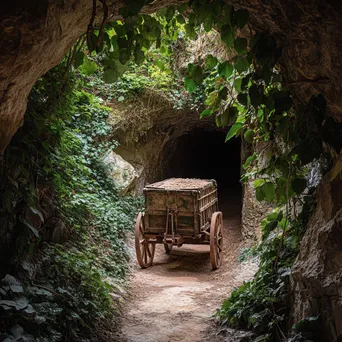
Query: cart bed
x=190, y=202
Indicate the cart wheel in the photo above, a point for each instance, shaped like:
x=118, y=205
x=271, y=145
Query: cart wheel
x=143, y=249
x=168, y=247
x=216, y=240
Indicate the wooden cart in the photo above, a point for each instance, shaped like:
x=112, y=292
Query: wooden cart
x=179, y=211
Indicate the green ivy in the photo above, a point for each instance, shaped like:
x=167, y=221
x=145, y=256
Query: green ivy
x=56, y=160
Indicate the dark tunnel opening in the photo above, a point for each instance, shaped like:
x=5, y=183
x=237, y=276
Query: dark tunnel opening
x=203, y=153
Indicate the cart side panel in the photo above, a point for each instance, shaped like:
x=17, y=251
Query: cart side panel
x=184, y=203
x=208, y=204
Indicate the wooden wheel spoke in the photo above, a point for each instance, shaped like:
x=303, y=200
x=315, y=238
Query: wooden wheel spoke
x=145, y=254
x=144, y=250
x=148, y=250
x=216, y=240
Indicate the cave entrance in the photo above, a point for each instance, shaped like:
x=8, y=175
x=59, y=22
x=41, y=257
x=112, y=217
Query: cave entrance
x=202, y=153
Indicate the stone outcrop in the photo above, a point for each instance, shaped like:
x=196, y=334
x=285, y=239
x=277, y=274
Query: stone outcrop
x=126, y=176
x=317, y=272
x=253, y=212
x=34, y=37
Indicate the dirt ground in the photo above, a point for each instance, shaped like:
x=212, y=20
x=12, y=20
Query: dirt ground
x=176, y=298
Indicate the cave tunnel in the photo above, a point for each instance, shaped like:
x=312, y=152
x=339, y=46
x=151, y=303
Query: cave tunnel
x=203, y=153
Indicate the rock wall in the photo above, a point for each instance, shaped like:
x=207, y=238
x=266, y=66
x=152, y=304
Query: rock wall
x=253, y=211
x=317, y=272
x=35, y=36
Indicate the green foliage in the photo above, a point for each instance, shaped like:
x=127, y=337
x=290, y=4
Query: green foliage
x=57, y=177
x=262, y=304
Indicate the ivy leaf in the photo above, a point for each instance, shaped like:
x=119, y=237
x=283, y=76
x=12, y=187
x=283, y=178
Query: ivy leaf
x=298, y=185
x=208, y=23
x=269, y=191
x=240, y=18
x=114, y=41
x=124, y=56
x=190, y=31
x=241, y=64
x=197, y=75
x=79, y=57
x=181, y=8
x=229, y=116
x=240, y=45
x=210, y=62
x=249, y=161
x=88, y=67
x=180, y=19
x=259, y=194
x=234, y=130
x=227, y=35
x=110, y=75
x=237, y=84
x=206, y=113
x=170, y=12
x=273, y=216
x=139, y=55
x=249, y=135
x=190, y=85
x=269, y=227
x=134, y=6
x=225, y=69
x=212, y=99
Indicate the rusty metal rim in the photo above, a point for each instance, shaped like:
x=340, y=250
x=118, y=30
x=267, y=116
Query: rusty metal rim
x=143, y=248
x=216, y=240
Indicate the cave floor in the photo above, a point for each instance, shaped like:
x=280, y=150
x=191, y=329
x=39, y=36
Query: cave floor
x=176, y=298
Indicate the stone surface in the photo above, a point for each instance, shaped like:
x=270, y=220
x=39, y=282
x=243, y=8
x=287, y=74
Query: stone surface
x=253, y=212
x=125, y=175
x=317, y=272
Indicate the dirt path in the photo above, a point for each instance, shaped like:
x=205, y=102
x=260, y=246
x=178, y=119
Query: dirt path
x=176, y=298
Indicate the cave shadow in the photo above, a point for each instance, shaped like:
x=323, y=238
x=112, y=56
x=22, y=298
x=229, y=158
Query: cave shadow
x=203, y=153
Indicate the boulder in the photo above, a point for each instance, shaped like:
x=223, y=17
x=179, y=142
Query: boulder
x=124, y=174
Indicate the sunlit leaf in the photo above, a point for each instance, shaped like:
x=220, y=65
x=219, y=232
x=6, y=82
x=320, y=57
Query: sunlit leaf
x=210, y=61
x=225, y=69
x=190, y=85
x=206, y=113
x=234, y=130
